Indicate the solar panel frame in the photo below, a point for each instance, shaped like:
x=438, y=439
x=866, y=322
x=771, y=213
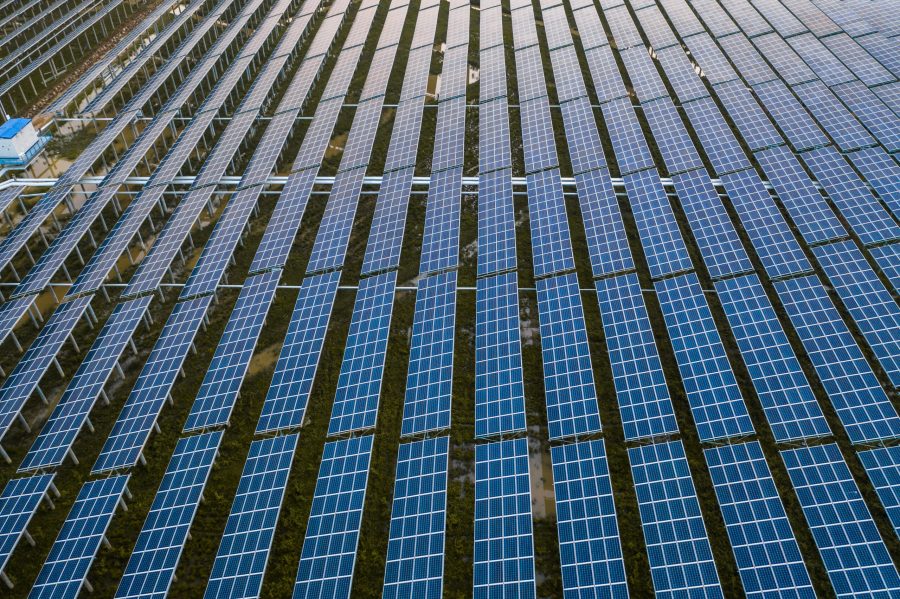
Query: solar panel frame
x=604, y=229
x=496, y=222
x=551, y=242
x=440, y=236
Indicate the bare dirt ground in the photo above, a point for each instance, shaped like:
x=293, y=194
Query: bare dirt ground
x=96, y=53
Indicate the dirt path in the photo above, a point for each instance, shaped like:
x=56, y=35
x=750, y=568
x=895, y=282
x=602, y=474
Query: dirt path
x=76, y=70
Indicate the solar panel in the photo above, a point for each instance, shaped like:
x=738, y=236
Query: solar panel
x=774, y=243
x=608, y=84
x=279, y=236
x=66, y=568
x=152, y=564
x=872, y=112
x=807, y=208
x=244, y=550
x=787, y=399
x=681, y=561
x=568, y=377
x=754, y=126
x=709, y=57
x=493, y=136
x=386, y=232
x=550, y=240
x=638, y=377
x=590, y=550
x=870, y=71
x=681, y=76
x=784, y=60
x=440, y=238
x=715, y=135
x=429, y=381
x=798, y=126
x=19, y=501
x=661, y=239
x=869, y=303
x=672, y=139
x=641, y=69
x=747, y=59
x=24, y=379
x=504, y=545
x=883, y=467
x=604, y=229
x=332, y=532
x=538, y=143
x=882, y=173
x=847, y=132
x=626, y=136
x=499, y=390
x=288, y=394
x=415, y=553
x=826, y=66
x=333, y=236
x=585, y=148
x=714, y=234
x=11, y=313
x=767, y=554
x=355, y=404
x=888, y=259
x=857, y=397
x=71, y=411
x=854, y=555
x=217, y=395
x=126, y=441
x=530, y=73
x=711, y=388
x=566, y=70
x=496, y=222
x=864, y=214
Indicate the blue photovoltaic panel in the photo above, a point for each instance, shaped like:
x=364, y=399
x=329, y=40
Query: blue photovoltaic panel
x=19, y=501
x=883, y=467
x=854, y=200
x=641, y=391
x=415, y=553
x=847, y=132
x=551, y=244
x=295, y=370
x=222, y=381
x=888, y=259
x=853, y=552
x=504, y=544
x=786, y=397
x=59, y=432
x=661, y=239
x=681, y=560
x=359, y=382
x=429, y=381
x=882, y=172
x=332, y=533
x=626, y=136
x=282, y=227
x=584, y=145
x=499, y=390
x=804, y=203
x=568, y=377
x=330, y=246
x=151, y=568
x=66, y=568
x=11, y=312
x=712, y=391
x=671, y=137
x=125, y=443
x=386, y=232
x=716, y=137
x=244, y=550
x=493, y=136
x=589, y=546
x=31, y=368
x=440, y=237
x=496, y=222
x=788, y=113
x=774, y=243
x=857, y=397
x=538, y=144
x=869, y=303
x=766, y=551
x=604, y=229
x=714, y=234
